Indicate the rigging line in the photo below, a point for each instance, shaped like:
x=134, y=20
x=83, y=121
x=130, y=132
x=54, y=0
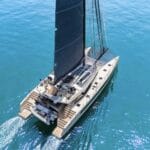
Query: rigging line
x=97, y=19
x=78, y=10
x=100, y=53
x=67, y=9
x=101, y=27
x=84, y=26
x=96, y=32
x=62, y=48
x=90, y=22
x=102, y=30
x=93, y=27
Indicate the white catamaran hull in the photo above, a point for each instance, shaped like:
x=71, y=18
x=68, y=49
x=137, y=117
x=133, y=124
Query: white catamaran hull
x=68, y=115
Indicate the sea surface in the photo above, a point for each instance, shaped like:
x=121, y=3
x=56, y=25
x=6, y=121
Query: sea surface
x=118, y=120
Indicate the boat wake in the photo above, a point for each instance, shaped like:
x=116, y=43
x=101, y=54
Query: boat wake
x=9, y=129
x=52, y=143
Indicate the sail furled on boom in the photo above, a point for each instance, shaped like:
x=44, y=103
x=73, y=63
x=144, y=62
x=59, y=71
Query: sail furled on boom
x=69, y=36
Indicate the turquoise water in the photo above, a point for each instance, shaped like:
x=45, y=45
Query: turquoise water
x=119, y=119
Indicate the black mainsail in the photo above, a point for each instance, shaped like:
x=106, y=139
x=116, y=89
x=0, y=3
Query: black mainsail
x=69, y=36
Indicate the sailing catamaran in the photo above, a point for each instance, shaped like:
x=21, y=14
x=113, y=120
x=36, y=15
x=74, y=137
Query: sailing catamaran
x=79, y=74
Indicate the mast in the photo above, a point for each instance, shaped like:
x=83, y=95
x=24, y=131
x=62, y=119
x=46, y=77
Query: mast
x=69, y=36
x=84, y=24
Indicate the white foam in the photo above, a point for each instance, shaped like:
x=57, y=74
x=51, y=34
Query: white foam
x=52, y=143
x=9, y=129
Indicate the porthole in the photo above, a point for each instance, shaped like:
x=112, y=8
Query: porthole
x=78, y=105
x=87, y=96
x=100, y=78
x=105, y=70
x=109, y=65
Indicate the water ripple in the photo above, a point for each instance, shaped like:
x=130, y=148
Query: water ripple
x=9, y=129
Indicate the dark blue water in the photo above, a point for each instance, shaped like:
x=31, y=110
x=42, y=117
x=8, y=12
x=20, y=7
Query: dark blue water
x=120, y=118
